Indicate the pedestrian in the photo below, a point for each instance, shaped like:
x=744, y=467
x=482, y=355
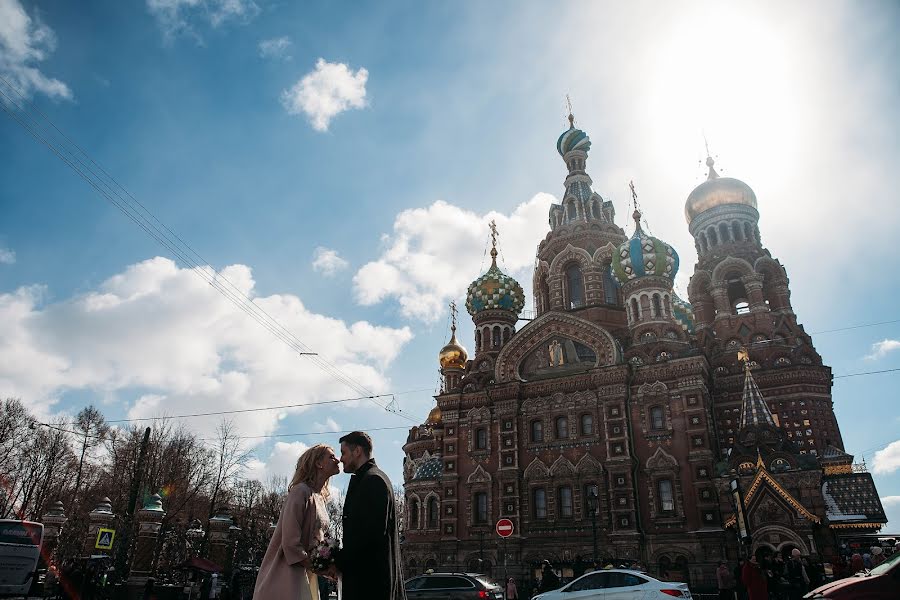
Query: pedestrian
x=369, y=562
x=797, y=577
x=755, y=580
x=877, y=556
x=549, y=579
x=725, y=579
x=739, y=587
x=856, y=563
x=511, y=592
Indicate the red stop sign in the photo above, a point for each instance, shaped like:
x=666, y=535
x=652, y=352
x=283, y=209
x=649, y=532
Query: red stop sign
x=504, y=528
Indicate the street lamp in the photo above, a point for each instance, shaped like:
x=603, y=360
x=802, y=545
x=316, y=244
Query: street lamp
x=593, y=504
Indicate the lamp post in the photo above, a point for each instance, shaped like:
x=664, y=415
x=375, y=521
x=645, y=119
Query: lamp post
x=593, y=504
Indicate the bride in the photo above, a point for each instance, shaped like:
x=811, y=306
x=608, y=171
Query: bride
x=285, y=570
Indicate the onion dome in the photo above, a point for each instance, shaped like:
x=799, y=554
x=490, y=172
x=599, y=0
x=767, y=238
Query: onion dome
x=434, y=417
x=495, y=290
x=453, y=355
x=572, y=139
x=684, y=313
x=717, y=191
x=644, y=255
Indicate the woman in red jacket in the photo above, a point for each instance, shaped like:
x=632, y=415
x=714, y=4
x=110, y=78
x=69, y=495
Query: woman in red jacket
x=754, y=579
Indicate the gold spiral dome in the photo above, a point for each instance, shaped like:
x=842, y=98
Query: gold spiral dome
x=453, y=355
x=434, y=416
x=717, y=191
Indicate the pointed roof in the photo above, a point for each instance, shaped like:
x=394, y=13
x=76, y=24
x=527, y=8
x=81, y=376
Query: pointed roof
x=765, y=479
x=754, y=410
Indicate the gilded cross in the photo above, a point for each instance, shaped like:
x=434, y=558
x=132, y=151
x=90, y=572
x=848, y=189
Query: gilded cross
x=453, y=311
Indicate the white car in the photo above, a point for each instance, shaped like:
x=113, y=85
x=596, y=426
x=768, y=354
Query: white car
x=617, y=584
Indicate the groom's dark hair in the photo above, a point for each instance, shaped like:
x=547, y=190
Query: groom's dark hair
x=360, y=439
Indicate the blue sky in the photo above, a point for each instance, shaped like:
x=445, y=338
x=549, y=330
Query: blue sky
x=341, y=160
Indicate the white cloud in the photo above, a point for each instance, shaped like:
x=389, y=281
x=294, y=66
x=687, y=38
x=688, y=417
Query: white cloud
x=882, y=348
x=281, y=462
x=887, y=460
x=327, y=262
x=176, y=17
x=891, y=506
x=434, y=252
x=7, y=256
x=275, y=48
x=329, y=425
x=162, y=332
x=325, y=92
x=25, y=41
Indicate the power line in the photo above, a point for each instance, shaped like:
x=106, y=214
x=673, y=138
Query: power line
x=302, y=433
x=119, y=197
x=855, y=327
x=866, y=373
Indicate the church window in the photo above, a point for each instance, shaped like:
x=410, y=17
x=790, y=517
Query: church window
x=565, y=502
x=610, y=288
x=657, y=418
x=657, y=307
x=704, y=246
x=723, y=232
x=540, y=503
x=545, y=294
x=481, y=438
x=713, y=237
x=587, y=424
x=590, y=489
x=666, y=497
x=573, y=212
x=576, y=286
x=481, y=507
x=736, y=231
x=477, y=339
x=506, y=334
x=496, y=337
x=432, y=513
x=562, y=428
x=635, y=312
x=537, y=431
x=748, y=231
x=413, y=513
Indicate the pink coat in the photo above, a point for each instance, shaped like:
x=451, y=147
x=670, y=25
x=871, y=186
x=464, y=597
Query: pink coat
x=283, y=572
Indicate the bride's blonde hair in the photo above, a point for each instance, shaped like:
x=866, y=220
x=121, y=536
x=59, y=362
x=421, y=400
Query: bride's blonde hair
x=306, y=468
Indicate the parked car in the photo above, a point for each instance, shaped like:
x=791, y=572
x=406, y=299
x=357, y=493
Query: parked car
x=617, y=584
x=452, y=586
x=881, y=583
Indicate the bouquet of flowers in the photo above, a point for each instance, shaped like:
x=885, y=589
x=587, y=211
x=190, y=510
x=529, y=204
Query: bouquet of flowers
x=322, y=555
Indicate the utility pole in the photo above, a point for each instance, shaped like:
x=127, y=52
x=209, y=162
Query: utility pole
x=125, y=538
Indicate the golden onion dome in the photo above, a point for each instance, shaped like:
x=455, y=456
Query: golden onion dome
x=434, y=416
x=453, y=355
x=717, y=191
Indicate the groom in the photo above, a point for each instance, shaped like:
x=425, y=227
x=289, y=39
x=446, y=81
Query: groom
x=369, y=561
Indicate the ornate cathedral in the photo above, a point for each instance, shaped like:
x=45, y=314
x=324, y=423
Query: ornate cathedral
x=624, y=424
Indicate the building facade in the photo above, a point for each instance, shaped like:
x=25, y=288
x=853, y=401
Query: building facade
x=616, y=424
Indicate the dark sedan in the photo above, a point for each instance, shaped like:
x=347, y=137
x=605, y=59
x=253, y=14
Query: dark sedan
x=881, y=583
x=452, y=586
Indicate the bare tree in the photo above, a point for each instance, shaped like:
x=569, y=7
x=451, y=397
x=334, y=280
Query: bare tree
x=230, y=459
x=91, y=426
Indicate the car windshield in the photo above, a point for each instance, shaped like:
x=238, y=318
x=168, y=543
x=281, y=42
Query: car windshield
x=883, y=567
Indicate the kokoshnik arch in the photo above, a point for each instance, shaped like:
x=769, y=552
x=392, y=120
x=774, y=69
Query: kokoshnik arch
x=619, y=387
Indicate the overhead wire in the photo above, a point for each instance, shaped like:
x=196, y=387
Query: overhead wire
x=168, y=239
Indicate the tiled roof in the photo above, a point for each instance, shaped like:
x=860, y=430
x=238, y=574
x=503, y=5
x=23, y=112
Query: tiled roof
x=432, y=468
x=852, y=498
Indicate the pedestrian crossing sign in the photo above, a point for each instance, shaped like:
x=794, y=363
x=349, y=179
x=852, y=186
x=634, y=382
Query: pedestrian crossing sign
x=105, y=539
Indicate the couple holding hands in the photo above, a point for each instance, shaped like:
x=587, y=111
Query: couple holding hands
x=368, y=563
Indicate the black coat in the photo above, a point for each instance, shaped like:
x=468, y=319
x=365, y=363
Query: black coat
x=369, y=560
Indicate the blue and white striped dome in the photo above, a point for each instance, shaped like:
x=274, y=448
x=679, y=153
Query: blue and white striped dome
x=573, y=139
x=644, y=255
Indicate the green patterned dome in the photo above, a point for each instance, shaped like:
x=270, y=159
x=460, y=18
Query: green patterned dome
x=495, y=290
x=644, y=255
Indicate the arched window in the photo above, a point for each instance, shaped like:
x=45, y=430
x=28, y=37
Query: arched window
x=545, y=295
x=723, y=232
x=572, y=211
x=537, y=431
x=657, y=306
x=496, y=337
x=704, y=246
x=610, y=287
x=481, y=438
x=562, y=428
x=736, y=231
x=480, y=502
x=576, y=286
x=713, y=237
x=635, y=312
x=432, y=513
x=657, y=418
x=413, y=513
x=748, y=231
x=595, y=209
x=666, y=497
x=565, y=502
x=587, y=424
x=506, y=334
x=539, y=497
x=477, y=339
